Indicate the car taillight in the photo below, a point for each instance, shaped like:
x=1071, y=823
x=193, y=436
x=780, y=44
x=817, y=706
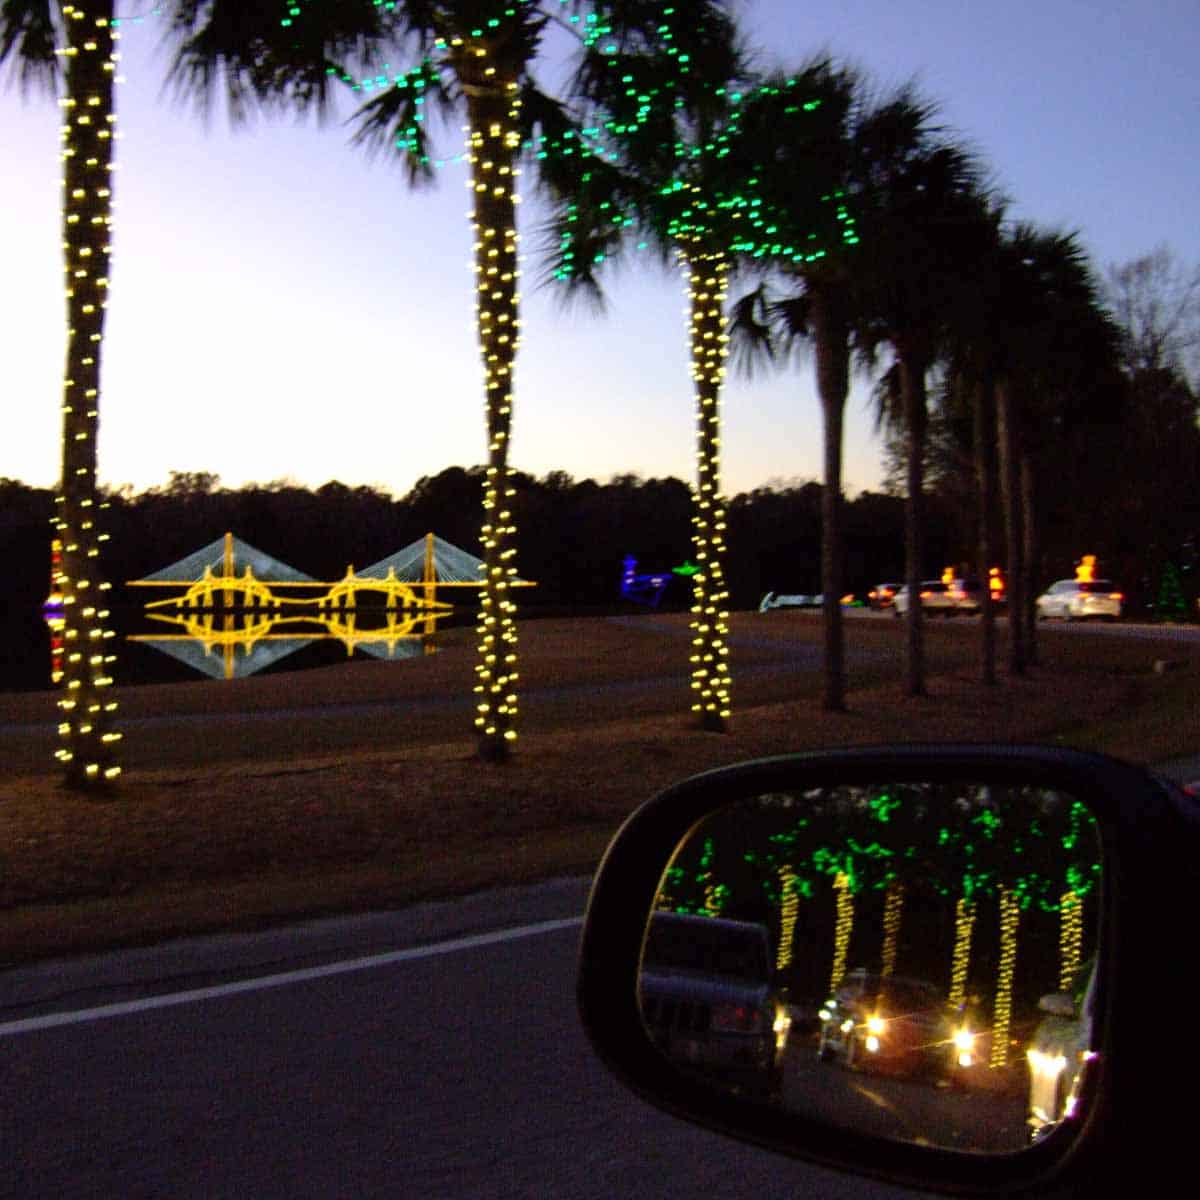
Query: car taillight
x=1115, y=596
x=738, y=1018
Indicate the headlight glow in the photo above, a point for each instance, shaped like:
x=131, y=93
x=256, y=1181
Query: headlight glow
x=875, y=1025
x=1050, y=1066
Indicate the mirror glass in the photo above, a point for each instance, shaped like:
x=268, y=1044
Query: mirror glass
x=910, y=960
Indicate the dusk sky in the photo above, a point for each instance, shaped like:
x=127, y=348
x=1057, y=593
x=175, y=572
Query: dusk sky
x=282, y=306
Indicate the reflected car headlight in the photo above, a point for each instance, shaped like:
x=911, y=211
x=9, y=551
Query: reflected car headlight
x=964, y=1047
x=1050, y=1066
x=875, y=1025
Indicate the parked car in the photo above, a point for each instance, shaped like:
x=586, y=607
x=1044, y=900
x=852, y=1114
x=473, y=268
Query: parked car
x=708, y=998
x=1078, y=600
x=883, y=595
x=1060, y=1049
x=895, y=1025
x=945, y=599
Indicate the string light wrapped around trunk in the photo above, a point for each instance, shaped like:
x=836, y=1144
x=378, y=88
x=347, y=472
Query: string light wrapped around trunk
x=493, y=141
x=706, y=276
x=842, y=929
x=87, y=749
x=789, y=910
x=964, y=926
x=893, y=907
x=1010, y=916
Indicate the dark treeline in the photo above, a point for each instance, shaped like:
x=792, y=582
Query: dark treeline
x=573, y=536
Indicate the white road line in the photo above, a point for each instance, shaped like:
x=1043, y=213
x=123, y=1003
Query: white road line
x=282, y=979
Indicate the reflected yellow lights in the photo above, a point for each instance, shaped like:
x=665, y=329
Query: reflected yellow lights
x=964, y=925
x=893, y=906
x=1010, y=916
x=843, y=928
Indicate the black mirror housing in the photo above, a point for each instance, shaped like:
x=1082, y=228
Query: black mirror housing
x=1148, y=834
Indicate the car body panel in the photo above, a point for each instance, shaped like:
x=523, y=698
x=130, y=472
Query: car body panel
x=890, y=1024
x=707, y=998
x=1080, y=600
x=942, y=598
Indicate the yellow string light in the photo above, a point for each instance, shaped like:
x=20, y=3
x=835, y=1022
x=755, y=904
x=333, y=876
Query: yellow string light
x=789, y=909
x=1010, y=916
x=1070, y=939
x=706, y=277
x=964, y=925
x=87, y=742
x=493, y=141
x=843, y=928
x=893, y=906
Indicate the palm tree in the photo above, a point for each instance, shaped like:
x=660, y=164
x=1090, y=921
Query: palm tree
x=920, y=202
x=474, y=56
x=818, y=310
x=972, y=356
x=677, y=160
x=1057, y=351
x=34, y=36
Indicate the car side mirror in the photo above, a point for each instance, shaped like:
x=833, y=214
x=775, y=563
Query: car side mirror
x=861, y=957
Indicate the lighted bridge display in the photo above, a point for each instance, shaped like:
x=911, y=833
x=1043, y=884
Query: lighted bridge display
x=236, y=610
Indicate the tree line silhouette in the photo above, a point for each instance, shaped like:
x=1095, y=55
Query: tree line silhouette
x=573, y=536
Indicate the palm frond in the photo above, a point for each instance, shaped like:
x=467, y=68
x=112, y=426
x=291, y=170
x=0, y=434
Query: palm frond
x=751, y=342
x=264, y=62
x=28, y=37
x=395, y=120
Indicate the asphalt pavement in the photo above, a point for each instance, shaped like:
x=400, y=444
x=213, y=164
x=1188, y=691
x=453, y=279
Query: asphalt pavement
x=431, y=1053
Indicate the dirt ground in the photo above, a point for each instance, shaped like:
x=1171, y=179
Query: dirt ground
x=356, y=786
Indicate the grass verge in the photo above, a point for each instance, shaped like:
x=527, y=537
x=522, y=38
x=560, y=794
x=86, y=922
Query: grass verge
x=214, y=846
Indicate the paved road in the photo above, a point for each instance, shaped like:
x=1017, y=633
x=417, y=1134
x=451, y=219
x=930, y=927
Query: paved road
x=458, y=1071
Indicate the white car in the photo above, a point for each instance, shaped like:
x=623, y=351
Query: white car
x=1078, y=600
x=1059, y=1052
x=937, y=596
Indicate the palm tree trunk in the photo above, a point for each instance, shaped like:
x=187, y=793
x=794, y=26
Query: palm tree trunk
x=916, y=416
x=893, y=909
x=843, y=929
x=493, y=111
x=1010, y=916
x=88, y=749
x=710, y=662
x=984, y=421
x=1029, y=556
x=964, y=925
x=1006, y=440
x=831, y=338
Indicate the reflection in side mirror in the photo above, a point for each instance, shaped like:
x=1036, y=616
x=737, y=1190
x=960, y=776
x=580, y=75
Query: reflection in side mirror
x=1057, y=1004
x=881, y=957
